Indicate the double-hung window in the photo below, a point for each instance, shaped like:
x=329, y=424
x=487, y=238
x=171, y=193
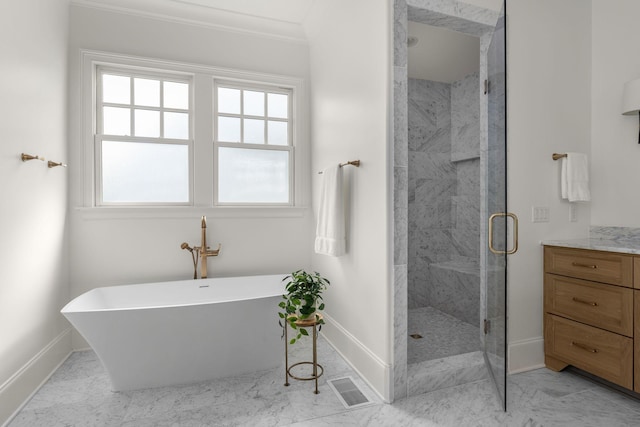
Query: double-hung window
x=143, y=139
x=172, y=134
x=253, y=144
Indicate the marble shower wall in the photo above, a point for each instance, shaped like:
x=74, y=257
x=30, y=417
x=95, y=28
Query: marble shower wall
x=444, y=196
x=465, y=118
x=432, y=183
x=465, y=153
x=400, y=195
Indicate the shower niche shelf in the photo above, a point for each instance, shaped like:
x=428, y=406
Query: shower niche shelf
x=464, y=156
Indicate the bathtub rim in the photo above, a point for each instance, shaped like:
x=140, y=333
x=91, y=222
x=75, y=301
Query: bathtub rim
x=70, y=309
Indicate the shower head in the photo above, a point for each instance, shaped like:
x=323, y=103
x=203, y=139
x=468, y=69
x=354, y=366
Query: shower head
x=412, y=41
x=186, y=246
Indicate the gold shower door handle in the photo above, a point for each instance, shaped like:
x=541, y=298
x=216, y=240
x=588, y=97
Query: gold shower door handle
x=515, y=233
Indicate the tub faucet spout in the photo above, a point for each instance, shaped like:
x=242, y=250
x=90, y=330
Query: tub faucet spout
x=201, y=252
x=204, y=251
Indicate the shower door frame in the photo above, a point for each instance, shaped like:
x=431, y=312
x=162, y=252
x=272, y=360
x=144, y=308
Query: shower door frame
x=458, y=17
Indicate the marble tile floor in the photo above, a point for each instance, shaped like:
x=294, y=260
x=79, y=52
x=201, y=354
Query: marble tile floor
x=442, y=335
x=78, y=394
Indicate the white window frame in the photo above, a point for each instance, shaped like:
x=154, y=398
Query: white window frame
x=289, y=148
x=100, y=137
x=202, y=164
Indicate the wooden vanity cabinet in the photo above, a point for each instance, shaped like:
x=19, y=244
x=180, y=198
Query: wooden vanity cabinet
x=636, y=345
x=589, y=307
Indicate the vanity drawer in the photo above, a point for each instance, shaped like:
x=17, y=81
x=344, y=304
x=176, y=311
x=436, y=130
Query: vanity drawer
x=605, y=306
x=600, y=352
x=605, y=267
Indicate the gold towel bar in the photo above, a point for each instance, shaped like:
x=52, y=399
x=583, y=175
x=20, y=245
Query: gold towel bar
x=26, y=157
x=355, y=163
x=557, y=156
x=51, y=164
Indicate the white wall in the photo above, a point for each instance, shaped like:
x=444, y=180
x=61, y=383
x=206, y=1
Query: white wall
x=350, y=75
x=548, y=110
x=33, y=254
x=615, y=151
x=112, y=251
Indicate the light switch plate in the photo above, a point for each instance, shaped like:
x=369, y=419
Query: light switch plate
x=539, y=214
x=573, y=212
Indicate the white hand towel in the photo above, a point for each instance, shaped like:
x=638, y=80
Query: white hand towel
x=330, y=234
x=575, y=178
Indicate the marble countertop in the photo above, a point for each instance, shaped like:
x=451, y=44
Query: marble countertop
x=627, y=247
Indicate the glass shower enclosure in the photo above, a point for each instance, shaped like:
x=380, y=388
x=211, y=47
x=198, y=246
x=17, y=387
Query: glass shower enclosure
x=502, y=225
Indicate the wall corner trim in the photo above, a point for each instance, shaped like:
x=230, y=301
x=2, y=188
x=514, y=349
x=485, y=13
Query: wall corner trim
x=16, y=391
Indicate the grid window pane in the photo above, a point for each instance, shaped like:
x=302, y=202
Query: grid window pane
x=176, y=95
x=253, y=176
x=228, y=129
x=278, y=133
x=254, y=131
x=147, y=123
x=116, y=89
x=253, y=103
x=228, y=100
x=176, y=125
x=140, y=111
x=278, y=105
x=146, y=92
x=116, y=121
x=143, y=173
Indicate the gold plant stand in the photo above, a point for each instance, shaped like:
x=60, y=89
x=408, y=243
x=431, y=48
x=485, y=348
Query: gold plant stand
x=318, y=370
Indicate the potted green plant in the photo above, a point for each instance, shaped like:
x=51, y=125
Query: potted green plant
x=303, y=294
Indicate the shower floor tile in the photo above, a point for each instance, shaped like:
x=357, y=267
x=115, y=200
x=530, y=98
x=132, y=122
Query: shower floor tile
x=442, y=335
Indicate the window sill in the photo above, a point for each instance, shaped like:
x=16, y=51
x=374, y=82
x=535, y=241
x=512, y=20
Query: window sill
x=178, y=212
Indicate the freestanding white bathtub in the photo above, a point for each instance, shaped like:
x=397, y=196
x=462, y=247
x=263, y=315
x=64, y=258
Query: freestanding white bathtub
x=182, y=332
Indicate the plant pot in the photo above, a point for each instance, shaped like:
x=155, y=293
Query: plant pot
x=312, y=315
x=313, y=318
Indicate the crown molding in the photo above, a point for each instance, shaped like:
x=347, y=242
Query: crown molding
x=288, y=11
x=201, y=16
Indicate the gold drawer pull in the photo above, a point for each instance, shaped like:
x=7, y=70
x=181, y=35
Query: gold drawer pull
x=584, y=347
x=581, y=301
x=578, y=264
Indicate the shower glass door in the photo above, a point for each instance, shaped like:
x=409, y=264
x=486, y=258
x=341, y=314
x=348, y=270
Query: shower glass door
x=499, y=237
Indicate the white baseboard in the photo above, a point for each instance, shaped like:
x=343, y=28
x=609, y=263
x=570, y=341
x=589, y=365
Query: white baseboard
x=526, y=355
x=22, y=385
x=373, y=370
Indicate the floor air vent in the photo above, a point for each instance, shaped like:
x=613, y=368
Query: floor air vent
x=348, y=392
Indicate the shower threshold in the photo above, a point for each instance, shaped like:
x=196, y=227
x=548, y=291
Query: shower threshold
x=430, y=375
